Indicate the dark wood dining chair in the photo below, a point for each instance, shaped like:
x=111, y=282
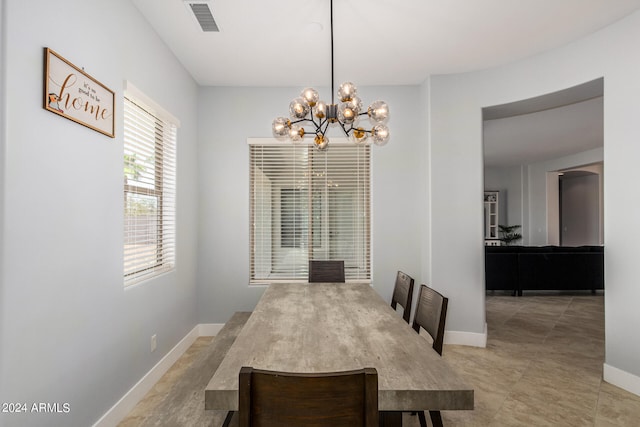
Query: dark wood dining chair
x=280, y=399
x=403, y=294
x=431, y=315
x=321, y=271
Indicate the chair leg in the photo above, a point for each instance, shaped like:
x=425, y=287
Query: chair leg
x=436, y=419
x=423, y=421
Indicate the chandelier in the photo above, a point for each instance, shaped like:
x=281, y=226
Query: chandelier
x=308, y=109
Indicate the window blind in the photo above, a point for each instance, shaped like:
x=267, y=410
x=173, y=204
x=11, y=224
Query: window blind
x=309, y=204
x=149, y=193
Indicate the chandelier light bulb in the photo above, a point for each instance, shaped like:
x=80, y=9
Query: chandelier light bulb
x=347, y=91
x=311, y=96
x=346, y=114
x=380, y=134
x=281, y=126
x=359, y=135
x=321, y=141
x=355, y=104
x=378, y=111
x=298, y=108
x=321, y=110
x=296, y=133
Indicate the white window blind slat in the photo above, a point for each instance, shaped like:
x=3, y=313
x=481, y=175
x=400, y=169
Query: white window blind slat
x=309, y=204
x=149, y=194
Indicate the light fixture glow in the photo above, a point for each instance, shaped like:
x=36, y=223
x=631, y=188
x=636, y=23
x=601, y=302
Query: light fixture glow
x=308, y=109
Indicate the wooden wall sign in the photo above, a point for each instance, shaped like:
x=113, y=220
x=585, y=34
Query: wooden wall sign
x=75, y=95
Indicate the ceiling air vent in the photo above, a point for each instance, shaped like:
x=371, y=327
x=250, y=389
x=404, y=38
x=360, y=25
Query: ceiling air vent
x=202, y=13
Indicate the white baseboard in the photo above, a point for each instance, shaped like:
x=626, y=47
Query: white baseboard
x=621, y=379
x=209, y=329
x=471, y=339
x=126, y=404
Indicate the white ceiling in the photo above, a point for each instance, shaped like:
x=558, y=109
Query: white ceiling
x=394, y=42
x=377, y=42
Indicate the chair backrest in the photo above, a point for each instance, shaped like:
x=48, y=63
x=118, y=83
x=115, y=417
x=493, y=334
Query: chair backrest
x=276, y=399
x=403, y=294
x=326, y=271
x=431, y=315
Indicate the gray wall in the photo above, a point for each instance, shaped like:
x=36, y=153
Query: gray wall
x=456, y=192
x=539, y=185
x=71, y=333
x=227, y=117
x=456, y=138
x=528, y=199
x=3, y=139
x=3, y=148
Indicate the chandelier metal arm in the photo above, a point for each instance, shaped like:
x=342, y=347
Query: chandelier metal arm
x=315, y=125
x=344, y=129
x=303, y=120
x=326, y=126
x=352, y=129
x=320, y=126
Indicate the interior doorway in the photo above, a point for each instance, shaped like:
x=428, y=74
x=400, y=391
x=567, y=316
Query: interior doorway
x=579, y=205
x=527, y=140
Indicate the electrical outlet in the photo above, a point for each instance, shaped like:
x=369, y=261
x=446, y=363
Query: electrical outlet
x=154, y=343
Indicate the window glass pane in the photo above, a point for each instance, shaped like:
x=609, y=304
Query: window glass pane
x=307, y=204
x=149, y=194
x=141, y=232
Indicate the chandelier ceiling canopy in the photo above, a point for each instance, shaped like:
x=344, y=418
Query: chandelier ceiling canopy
x=308, y=110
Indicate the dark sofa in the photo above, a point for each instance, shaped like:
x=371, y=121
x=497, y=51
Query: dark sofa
x=524, y=268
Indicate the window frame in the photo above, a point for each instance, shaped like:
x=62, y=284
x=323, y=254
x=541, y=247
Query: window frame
x=360, y=231
x=162, y=158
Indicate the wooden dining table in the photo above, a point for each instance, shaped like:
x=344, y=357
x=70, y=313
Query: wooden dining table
x=328, y=327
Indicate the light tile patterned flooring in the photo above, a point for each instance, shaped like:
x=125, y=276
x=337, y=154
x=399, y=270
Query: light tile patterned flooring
x=144, y=410
x=542, y=367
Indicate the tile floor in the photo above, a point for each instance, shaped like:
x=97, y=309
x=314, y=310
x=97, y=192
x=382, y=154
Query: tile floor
x=542, y=367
